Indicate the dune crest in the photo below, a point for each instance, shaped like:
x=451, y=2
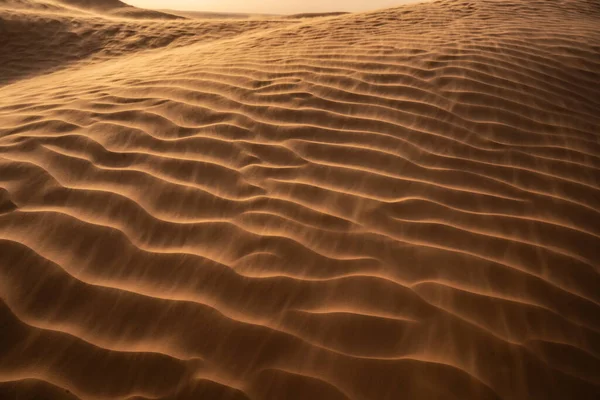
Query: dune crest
x=114, y=8
x=401, y=204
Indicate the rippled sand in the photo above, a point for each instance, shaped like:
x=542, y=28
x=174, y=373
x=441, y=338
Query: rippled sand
x=402, y=204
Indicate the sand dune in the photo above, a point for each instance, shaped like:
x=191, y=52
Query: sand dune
x=106, y=7
x=218, y=15
x=401, y=204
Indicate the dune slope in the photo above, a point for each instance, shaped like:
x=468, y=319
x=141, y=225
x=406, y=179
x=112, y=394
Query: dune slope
x=114, y=8
x=402, y=204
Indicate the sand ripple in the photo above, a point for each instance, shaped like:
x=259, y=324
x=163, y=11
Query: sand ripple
x=396, y=204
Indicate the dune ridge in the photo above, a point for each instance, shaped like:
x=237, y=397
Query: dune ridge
x=114, y=8
x=403, y=203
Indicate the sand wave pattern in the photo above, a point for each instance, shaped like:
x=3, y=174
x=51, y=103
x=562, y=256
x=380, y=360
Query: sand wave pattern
x=402, y=204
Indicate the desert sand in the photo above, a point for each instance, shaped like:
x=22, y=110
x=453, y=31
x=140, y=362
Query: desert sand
x=398, y=204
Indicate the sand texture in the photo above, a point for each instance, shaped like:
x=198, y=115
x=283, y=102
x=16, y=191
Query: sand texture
x=400, y=204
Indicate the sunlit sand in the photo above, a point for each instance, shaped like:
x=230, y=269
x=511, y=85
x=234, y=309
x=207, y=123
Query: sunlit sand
x=397, y=204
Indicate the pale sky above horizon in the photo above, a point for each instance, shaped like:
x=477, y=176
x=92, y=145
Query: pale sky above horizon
x=268, y=6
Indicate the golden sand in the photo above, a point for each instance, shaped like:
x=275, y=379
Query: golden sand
x=401, y=204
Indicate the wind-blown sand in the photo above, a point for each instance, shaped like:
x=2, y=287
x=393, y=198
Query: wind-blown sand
x=402, y=204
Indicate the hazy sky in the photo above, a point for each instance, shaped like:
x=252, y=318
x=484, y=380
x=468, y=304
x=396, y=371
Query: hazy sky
x=269, y=6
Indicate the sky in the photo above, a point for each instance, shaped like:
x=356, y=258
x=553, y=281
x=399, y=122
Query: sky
x=268, y=6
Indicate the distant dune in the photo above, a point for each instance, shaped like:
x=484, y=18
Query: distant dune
x=118, y=8
x=114, y=8
x=401, y=204
x=317, y=15
x=217, y=15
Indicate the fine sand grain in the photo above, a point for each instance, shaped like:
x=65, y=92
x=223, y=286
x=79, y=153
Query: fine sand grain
x=401, y=204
